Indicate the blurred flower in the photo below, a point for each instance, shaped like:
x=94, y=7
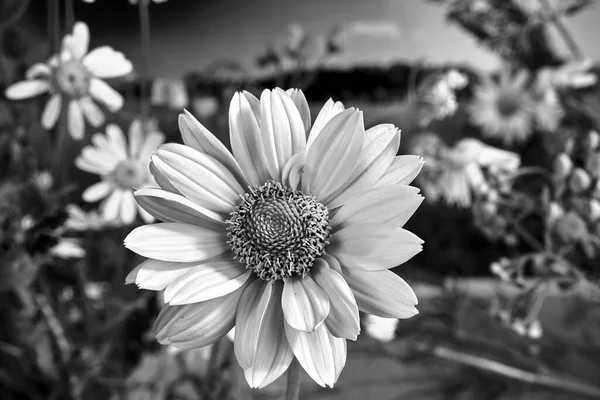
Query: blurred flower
x=547, y=110
x=79, y=220
x=123, y=168
x=379, y=328
x=67, y=248
x=555, y=211
x=454, y=173
x=580, y=180
x=572, y=228
x=205, y=106
x=563, y=165
x=591, y=141
x=436, y=99
x=571, y=75
x=503, y=110
x=75, y=76
x=171, y=93
x=260, y=263
x=42, y=180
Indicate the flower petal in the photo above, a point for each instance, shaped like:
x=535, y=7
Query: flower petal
x=305, y=305
x=104, y=62
x=75, y=120
x=26, y=89
x=172, y=207
x=116, y=141
x=375, y=159
x=268, y=353
x=172, y=241
x=111, y=207
x=128, y=208
x=38, y=70
x=199, y=177
x=381, y=293
x=343, y=320
x=245, y=139
x=157, y=275
x=404, y=170
x=332, y=158
x=78, y=42
x=162, y=180
x=91, y=111
x=136, y=136
x=208, y=281
x=299, y=100
x=51, y=111
x=385, y=204
x=249, y=319
x=97, y=191
x=199, y=324
x=282, y=129
x=196, y=136
x=329, y=110
x=291, y=175
x=102, y=91
x=321, y=354
x=373, y=247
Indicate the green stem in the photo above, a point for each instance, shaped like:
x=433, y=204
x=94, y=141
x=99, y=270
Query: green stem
x=58, y=164
x=292, y=391
x=144, y=16
x=563, y=31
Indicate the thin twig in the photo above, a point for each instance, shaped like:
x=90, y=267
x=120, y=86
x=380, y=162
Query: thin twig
x=55, y=327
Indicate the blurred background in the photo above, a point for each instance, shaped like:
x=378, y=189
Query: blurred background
x=499, y=97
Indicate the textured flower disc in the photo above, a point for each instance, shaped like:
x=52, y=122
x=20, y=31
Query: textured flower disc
x=129, y=173
x=72, y=78
x=278, y=232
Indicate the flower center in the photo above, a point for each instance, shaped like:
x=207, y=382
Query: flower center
x=128, y=174
x=508, y=102
x=278, y=232
x=72, y=78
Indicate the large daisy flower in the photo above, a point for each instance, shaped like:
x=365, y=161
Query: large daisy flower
x=286, y=239
x=123, y=168
x=74, y=77
x=503, y=110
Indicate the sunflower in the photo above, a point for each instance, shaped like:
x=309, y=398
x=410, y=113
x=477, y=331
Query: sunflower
x=122, y=167
x=504, y=110
x=75, y=76
x=286, y=239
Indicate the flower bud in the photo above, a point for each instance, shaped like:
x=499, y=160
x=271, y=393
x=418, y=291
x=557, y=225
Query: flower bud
x=593, y=209
x=580, y=180
x=571, y=227
x=591, y=141
x=562, y=166
x=534, y=330
x=592, y=165
x=555, y=211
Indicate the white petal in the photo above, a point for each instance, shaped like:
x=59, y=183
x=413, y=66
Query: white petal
x=97, y=191
x=305, y=305
x=104, y=62
x=51, y=111
x=172, y=241
x=128, y=208
x=199, y=177
x=404, y=170
x=136, y=136
x=101, y=91
x=206, y=282
x=116, y=140
x=92, y=166
x=343, y=320
x=332, y=158
x=38, y=70
x=291, y=176
x=329, y=110
x=300, y=101
x=381, y=293
x=26, y=89
x=245, y=139
x=196, y=136
x=373, y=247
x=162, y=180
x=171, y=207
x=78, y=43
x=322, y=355
x=91, y=111
x=385, y=204
x=149, y=146
x=111, y=207
x=199, y=324
x=75, y=120
x=282, y=130
x=261, y=340
x=157, y=275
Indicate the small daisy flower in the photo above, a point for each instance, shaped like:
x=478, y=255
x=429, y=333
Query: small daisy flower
x=123, y=167
x=503, y=110
x=286, y=239
x=74, y=78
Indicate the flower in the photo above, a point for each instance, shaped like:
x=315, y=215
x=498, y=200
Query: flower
x=454, y=173
x=79, y=220
x=382, y=329
x=75, y=76
x=171, y=93
x=436, y=98
x=503, y=110
x=286, y=239
x=122, y=167
x=68, y=248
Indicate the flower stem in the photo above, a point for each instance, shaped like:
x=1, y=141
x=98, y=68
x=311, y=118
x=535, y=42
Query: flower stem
x=292, y=391
x=145, y=62
x=69, y=15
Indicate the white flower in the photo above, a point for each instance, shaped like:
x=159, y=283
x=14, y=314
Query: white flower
x=68, y=248
x=123, y=168
x=75, y=77
x=380, y=328
x=170, y=93
x=79, y=220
